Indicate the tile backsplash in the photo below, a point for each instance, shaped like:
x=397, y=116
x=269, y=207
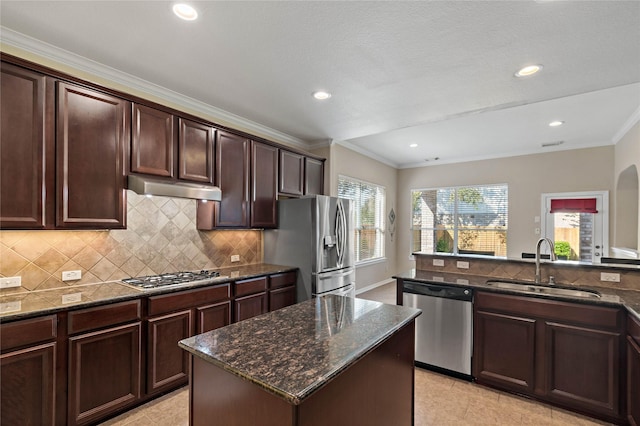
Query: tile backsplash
x=161, y=236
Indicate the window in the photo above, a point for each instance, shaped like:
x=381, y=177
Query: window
x=460, y=220
x=368, y=211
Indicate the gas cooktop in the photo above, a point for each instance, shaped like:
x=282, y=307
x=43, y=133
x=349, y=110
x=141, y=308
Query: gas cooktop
x=173, y=278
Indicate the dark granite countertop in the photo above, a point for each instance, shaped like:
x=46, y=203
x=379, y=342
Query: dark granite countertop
x=294, y=351
x=630, y=299
x=27, y=304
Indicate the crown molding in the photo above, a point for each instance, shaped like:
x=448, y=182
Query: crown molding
x=63, y=57
x=635, y=118
x=366, y=153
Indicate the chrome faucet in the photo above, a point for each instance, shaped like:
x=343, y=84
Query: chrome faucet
x=553, y=256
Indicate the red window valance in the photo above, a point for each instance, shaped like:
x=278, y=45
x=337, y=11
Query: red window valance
x=574, y=205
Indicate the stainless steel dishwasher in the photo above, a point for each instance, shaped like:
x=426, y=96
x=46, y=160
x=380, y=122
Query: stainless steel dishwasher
x=444, y=331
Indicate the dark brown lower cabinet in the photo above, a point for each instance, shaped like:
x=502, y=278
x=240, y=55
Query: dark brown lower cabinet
x=214, y=316
x=568, y=354
x=281, y=297
x=27, y=379
x=167, y=363
x=250, y=306
x=104, y=372
x=633, y=371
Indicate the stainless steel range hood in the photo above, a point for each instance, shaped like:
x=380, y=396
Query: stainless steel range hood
x=150, y=186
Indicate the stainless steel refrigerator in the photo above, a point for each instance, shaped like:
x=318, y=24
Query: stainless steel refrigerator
x=316, y=235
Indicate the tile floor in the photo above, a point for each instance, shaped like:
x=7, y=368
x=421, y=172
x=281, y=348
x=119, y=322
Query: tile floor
x=439, y=400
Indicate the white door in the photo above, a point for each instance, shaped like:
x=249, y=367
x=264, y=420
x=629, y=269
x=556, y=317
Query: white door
x=578, y=235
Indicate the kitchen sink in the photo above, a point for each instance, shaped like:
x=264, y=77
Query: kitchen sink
x=542, y=289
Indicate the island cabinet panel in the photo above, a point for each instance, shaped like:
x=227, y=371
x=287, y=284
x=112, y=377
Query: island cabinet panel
x=504, y=350
x=195, y=151
x=633, y=370
x=291, y=173
x=167, y=364
x=264, y=185
x=313, y=176
x=28, y=372
x=27, y=163
x=104, y=372
x=567, y=354
x=152, y=142
x=92, y=131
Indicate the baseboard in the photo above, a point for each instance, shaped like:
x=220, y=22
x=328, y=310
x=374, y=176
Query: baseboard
x=374, y=285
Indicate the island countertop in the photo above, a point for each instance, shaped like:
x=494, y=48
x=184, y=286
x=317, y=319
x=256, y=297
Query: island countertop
x=294, y=351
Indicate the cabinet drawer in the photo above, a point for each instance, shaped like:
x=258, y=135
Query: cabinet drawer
x=188, y=299
x=633, y=329
x=283, y=280
x=575, y=313
x=103, y=316
x=27, y=332
x=254, y=285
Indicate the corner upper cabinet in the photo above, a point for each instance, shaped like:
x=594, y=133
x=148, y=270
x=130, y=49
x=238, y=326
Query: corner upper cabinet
x=195, y=151
x=313, y=176
x=291, y=173
x=92, y=131
x=232, y=177
x=264, y=185
x=27, y=144
x=152, y=141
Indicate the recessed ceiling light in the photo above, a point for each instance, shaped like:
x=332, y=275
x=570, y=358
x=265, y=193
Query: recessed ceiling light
x=184, y=11
x=528, y=70
x=320, y=95
x=556, y=123
x=413, y=145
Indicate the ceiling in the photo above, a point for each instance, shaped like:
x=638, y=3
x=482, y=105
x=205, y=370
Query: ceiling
x=439, y=74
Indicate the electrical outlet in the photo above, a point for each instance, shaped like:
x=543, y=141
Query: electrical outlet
x=10, y=282
x=462, y=281
x=72, y=298
x=7, y=307
x=438, y=279
x=235, y=258
x=438, y=262
x=610, y=277
x=462, y=265
x=71, y=275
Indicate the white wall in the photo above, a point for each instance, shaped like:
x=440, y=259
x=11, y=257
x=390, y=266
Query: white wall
x=627, y=154
x=343, y=161
x=527, y=176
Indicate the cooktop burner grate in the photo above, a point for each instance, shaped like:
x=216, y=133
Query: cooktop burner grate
x=154, y=281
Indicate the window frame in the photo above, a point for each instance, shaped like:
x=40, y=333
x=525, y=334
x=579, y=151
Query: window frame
x=357, y=226
x=455, y=226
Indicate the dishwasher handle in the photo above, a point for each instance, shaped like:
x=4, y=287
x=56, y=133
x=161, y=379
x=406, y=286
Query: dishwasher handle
x=443, y=291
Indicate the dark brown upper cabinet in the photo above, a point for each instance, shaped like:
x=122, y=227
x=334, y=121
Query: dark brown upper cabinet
x=291, y=173
x=27, y=143
x=313, y=176
x=195, y=151
x=264, y=190
x=152, y=141
x=92, y=129
x=232, y=177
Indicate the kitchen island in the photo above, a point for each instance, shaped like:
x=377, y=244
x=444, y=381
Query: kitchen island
x=330, y=360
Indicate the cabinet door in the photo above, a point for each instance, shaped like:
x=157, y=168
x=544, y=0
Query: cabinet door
x=104, y=372
x=167, y=363
x=583, y=367
x=313, y=176
x=291, y=173
x=281, y=297
x=195, y=151
x=27, y=145
x=91, y=132
x=232, y=176
x=264, y=179
x=152, y=142
x=504, y=351
x=213, y=316
x=633, y=381
x=27, y=380
x=250, y=306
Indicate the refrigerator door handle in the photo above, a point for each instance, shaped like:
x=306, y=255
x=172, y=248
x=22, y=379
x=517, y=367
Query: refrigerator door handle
x=332, y=275
x=340, y=232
